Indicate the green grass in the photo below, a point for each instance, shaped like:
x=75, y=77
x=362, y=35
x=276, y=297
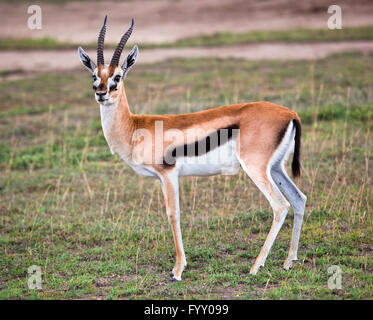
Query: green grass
x=45, y=43
x=216, y=39
x=99, y=231
x=292, y=35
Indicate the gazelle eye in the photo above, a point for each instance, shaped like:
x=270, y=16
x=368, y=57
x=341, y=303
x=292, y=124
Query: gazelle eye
x=117, y=78
x=94, y=78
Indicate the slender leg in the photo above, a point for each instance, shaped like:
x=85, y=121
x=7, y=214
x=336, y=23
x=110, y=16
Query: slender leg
x=170, y=188
x=298, y=202
x=278, y=203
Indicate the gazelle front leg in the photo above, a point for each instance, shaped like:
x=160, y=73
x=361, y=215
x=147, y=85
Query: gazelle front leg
x=170, y=188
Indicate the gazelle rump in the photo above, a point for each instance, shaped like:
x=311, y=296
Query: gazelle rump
x=257, y=136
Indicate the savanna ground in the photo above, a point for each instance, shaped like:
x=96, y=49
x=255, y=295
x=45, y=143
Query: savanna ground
x=99, y=231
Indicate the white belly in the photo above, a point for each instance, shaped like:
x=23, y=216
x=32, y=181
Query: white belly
x=222, y=160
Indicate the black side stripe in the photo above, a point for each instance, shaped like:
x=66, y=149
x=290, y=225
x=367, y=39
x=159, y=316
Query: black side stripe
x=201, y=147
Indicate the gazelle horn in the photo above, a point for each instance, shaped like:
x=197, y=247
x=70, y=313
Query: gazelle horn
x=119, y=48
x=100, y=44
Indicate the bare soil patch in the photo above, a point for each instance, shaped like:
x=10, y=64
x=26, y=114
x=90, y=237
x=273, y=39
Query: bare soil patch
x=40, y=61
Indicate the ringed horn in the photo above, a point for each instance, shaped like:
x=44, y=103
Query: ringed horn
x=118, y=51
x=100, y=44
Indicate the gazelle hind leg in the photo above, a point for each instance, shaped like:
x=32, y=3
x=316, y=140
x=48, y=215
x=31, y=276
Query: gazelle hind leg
x=298, y=202
x=277, y=201
x=170, y=188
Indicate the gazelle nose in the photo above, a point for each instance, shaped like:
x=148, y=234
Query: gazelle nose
x=100, y=94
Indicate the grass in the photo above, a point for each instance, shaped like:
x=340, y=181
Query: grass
x=99, y=231
x=292, y=35
x=216, y=39
x=45, y=43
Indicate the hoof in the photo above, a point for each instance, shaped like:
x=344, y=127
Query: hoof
x=254, y=270
x=175, y=280
x=171, y=274
x=289, y=263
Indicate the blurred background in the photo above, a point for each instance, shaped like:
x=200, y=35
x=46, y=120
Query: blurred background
x=180, y=25
x=100, y=232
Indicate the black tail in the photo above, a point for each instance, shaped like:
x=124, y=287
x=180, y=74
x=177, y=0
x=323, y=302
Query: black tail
x=295, y=165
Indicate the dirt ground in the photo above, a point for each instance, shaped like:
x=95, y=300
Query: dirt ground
x=39, y=61
x=169, y=20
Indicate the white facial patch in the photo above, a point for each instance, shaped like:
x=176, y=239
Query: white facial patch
x=97, y=82
x=111, y=81
x=98, y=79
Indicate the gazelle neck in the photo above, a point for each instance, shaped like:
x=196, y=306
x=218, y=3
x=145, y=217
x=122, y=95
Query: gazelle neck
x=117, y=124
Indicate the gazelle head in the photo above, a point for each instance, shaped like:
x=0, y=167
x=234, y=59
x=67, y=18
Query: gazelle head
x=107, y=79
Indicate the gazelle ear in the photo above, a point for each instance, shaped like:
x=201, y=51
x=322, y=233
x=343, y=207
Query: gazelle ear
x=130, y=60
x=86, y=60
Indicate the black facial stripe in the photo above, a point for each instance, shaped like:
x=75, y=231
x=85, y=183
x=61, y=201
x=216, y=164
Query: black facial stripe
x=102, y=87
x=113, y=87
x=201, y=147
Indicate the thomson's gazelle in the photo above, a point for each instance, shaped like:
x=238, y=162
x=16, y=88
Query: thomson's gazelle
x=257, y=136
